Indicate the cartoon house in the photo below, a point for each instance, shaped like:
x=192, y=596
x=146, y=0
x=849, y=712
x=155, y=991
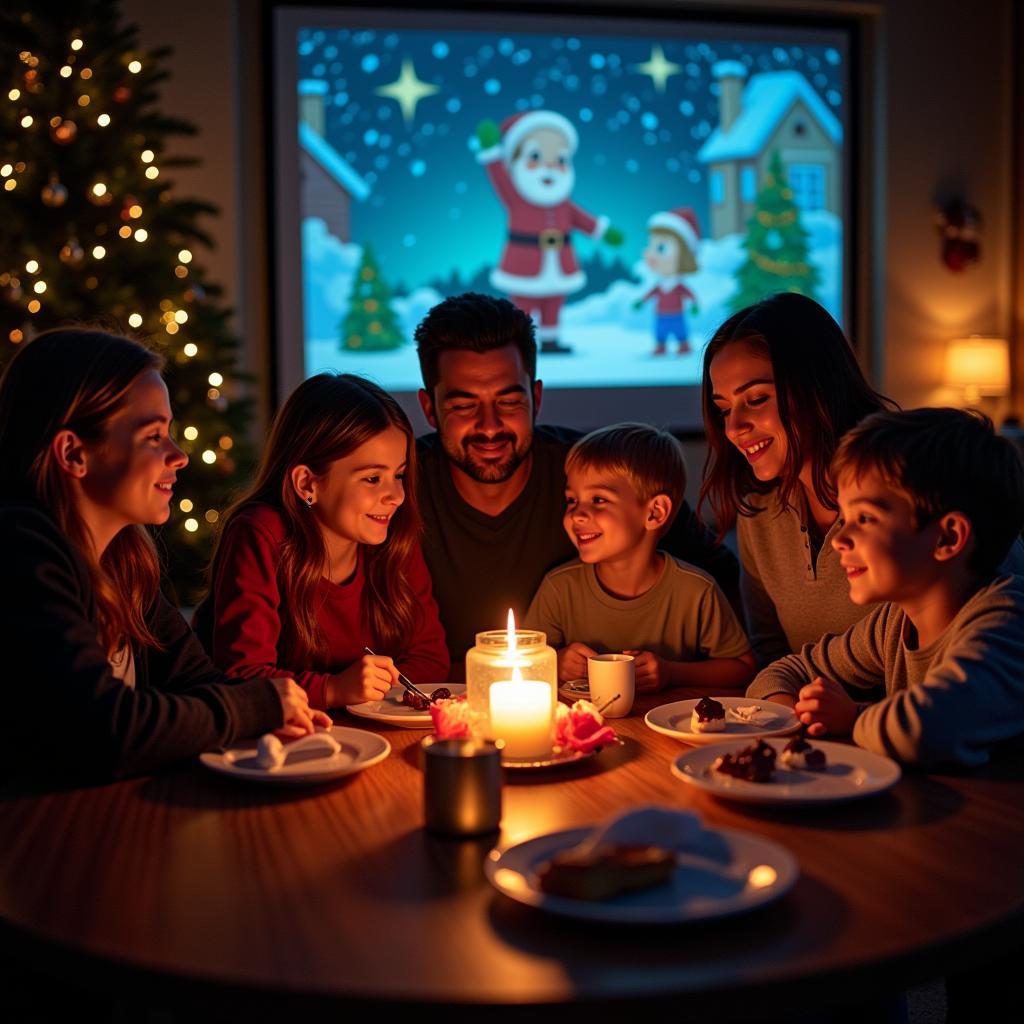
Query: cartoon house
x=328, y=183
x=777, y=110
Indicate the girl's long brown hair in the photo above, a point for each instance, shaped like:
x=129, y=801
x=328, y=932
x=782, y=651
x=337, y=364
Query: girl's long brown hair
x=76, y=379
x=324, y=419
x=820, y=391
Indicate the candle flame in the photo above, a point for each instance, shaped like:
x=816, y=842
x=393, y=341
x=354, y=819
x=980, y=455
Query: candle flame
x=510, y=632
x=517, y=676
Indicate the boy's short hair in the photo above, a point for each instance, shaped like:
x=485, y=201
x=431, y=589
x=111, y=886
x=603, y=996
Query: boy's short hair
x=650, y=459
x=473, y=322
x=944, y=460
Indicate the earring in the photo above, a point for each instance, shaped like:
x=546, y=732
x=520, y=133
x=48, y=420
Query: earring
x=309, y=501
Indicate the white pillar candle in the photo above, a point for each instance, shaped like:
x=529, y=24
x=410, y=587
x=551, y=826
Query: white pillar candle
x=521, y=716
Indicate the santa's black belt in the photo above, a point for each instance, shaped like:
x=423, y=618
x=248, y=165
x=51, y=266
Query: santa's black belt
x=549, y=238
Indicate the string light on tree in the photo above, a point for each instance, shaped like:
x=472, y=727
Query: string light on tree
x=81, y=139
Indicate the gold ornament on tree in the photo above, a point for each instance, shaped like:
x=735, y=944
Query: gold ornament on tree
x=54, y=193
x=64, y=133
x=72, y=253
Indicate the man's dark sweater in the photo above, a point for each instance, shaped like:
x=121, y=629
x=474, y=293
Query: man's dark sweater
x=483, y=565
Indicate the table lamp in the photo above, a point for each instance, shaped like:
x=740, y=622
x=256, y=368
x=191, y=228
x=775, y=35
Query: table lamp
x=978, y=366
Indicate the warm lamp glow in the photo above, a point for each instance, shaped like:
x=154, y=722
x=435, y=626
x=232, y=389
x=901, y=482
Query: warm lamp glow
x=979, y=365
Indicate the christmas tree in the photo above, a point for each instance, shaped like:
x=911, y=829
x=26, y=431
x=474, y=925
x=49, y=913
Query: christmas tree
x=370, y=325
x=776, y=245
x=92, y=233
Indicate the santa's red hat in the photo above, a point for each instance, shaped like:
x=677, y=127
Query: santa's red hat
x=681, y=221
x=516, y=128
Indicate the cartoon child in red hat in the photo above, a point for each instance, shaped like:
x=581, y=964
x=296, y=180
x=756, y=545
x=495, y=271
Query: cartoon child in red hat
x=671, y=252
x=529, y=163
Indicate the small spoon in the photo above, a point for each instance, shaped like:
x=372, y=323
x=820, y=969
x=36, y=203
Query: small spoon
x=404, y=680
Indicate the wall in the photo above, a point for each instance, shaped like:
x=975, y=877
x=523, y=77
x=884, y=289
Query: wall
x=937, y=105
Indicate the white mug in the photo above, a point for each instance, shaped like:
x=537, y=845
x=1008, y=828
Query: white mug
x=610, y=675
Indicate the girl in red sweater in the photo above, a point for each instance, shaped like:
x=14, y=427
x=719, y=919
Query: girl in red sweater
x=321, y=557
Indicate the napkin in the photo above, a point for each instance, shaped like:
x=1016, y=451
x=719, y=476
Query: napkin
x=680, y=831
x=271, y=753
x=753, y=714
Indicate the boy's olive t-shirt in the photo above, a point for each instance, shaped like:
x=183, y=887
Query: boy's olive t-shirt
x=683, y=617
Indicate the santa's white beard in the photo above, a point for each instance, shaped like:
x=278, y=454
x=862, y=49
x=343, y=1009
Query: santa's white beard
x=542, y=186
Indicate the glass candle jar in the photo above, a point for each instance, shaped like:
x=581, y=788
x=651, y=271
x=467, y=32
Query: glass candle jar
x=510, y=656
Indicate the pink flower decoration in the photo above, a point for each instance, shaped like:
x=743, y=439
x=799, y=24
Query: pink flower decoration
x=581, y=727
x=452, y=719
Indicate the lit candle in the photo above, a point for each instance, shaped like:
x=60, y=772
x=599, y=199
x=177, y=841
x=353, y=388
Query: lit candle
x=521, y=716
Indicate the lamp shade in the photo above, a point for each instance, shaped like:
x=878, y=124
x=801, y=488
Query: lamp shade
x=979, y=364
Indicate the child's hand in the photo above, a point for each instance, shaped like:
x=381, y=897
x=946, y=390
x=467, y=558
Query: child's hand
x=824, y=707
x=650, y=673
x=694, y=309
x=613, y=236
x=369, y=678
x=299, y=718
x=572, y=661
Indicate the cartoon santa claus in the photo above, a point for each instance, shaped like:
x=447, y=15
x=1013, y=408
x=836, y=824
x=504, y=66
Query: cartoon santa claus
x=529, y=163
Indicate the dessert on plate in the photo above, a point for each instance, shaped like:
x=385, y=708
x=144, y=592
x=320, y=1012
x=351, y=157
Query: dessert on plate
x=755, y=763
x=707, y=716
x=599, y=873
x=798, y=753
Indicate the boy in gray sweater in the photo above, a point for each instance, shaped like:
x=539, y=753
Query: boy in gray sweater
x=931, y=501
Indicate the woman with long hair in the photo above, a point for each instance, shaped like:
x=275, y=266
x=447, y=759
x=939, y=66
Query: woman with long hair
x=87, y=461
x=320, y=558
x=781, y=386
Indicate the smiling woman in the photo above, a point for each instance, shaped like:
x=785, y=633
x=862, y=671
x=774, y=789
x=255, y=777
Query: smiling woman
x=781, y=386
x=87, y=462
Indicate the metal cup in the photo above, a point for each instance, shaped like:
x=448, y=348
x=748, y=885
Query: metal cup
x=461, y=786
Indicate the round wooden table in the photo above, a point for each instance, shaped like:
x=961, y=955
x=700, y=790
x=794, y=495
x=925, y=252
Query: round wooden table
x=205, y=887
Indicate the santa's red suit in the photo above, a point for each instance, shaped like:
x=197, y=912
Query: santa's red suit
x=538, y=266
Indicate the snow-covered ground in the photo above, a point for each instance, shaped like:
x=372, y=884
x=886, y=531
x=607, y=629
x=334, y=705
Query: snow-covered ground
x=612, y=343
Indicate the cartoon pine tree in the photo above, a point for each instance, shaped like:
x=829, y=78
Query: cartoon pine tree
x=370, y=325
x=94, y=231
x=776, y=245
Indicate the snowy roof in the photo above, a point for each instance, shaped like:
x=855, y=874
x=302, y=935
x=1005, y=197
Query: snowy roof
x=327, y=156
x=312, y=87
x=766, y=100
x=729, y=68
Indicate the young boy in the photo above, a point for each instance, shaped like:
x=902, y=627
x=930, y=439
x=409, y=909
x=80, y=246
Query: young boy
x=624, y=484
x=931, y=501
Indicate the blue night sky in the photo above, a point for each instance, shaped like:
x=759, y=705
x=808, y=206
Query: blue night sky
x=431, y=209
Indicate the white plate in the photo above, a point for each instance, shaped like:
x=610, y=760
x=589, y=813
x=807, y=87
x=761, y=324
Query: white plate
x=574, y=689
x=392, y=710
x=674, y=720
x=359, y=750
x=851, y=773
x=759, y=872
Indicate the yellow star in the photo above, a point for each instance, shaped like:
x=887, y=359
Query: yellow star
x=658, y=68
x=408, y=90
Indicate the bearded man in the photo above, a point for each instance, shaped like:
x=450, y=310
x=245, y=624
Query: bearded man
x=529, y=161
x=491, y=483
